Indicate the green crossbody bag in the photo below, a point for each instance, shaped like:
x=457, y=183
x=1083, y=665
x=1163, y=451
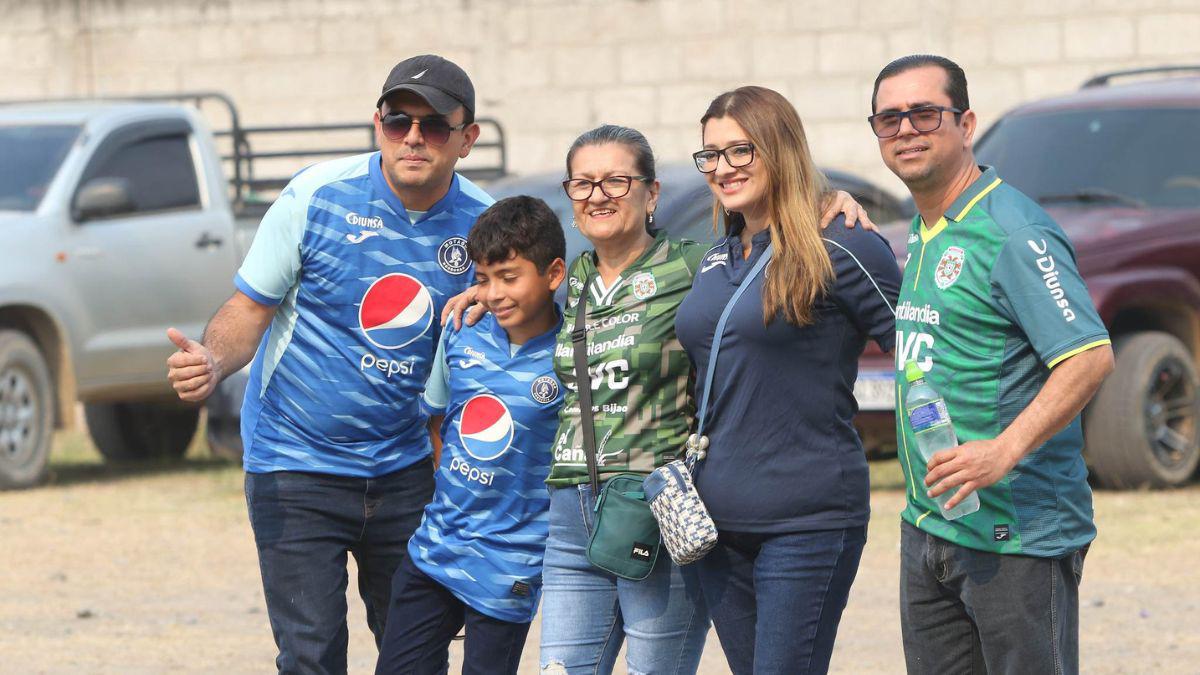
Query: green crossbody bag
x=625, y=538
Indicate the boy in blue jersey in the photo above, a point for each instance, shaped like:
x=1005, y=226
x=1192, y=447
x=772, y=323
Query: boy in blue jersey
x=476, y=558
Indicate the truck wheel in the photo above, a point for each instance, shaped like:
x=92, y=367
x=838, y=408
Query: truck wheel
x=136, y=431
x=224, y=439
x=1142, y=428
x=26, y=411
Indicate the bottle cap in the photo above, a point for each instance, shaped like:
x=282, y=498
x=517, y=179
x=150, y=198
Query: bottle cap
x=913, y=372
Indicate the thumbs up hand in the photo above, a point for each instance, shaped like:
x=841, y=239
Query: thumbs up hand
x=192, y=370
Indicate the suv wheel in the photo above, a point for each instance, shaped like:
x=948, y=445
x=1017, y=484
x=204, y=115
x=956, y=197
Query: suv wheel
x=1143, y=427
x=26, y=411
x=136, y=431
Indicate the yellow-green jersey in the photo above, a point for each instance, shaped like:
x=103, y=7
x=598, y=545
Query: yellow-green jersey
x=991, y=303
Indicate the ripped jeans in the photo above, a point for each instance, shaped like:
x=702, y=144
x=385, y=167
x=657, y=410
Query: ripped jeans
x=587, y=612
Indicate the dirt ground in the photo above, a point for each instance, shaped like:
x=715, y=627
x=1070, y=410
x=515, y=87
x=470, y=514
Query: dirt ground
x=153, y=570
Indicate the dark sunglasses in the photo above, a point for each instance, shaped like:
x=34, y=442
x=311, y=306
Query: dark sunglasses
x=924, y=119
x=434, y=129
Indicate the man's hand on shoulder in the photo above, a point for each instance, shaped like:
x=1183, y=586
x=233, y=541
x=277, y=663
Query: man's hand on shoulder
x=972, y=465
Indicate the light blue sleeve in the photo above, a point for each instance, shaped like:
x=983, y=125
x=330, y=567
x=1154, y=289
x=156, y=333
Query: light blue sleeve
x=272, y=266
x=437, y=388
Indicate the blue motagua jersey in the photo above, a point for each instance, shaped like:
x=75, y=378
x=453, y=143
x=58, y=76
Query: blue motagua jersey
x=336, y=383
x=484, y=533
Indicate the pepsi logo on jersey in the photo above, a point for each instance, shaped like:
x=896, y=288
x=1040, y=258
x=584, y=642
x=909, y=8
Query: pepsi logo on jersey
x=485, y=427
x=396, y=310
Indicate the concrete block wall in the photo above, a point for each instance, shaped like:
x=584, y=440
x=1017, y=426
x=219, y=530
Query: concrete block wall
x=549, y=69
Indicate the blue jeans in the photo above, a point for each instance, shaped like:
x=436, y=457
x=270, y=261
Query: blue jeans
x=424, y=618
x=304, y=525
x=777, y=599
x=587, y=612
x=968, y=611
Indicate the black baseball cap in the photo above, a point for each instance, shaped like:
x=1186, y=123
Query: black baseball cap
x=439, y=81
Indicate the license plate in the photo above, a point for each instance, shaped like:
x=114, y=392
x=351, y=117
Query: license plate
x=876, y=390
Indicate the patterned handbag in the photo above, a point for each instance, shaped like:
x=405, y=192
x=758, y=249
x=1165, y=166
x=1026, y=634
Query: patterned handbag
x=687, y=529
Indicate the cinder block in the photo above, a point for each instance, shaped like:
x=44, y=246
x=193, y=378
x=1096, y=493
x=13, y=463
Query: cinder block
x=643, y=63
x=683, y=104
x=583, y=65
x=710, y=60
x=1019, y=43
x=1099, y=38
x=786, y=57
x=1176, y=35
x=631, y=106
x=832, y=98
x=850, y=52
x=821, y=15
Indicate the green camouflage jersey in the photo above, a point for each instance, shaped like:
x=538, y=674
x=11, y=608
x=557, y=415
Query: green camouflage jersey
x=640, y=374
x=991, y=302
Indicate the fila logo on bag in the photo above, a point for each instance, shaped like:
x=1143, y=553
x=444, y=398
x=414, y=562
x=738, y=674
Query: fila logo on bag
x=949, y=267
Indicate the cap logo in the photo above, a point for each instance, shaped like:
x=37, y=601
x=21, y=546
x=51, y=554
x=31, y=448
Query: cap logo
x=418, y=75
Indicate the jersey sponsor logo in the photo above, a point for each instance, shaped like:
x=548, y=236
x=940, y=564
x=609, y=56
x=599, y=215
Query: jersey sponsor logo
x=949, y=267
x=906, y=311
x=912, y=238
x=544, y=389
x=620, y=342
x=644, y=285
x=912, y=346
x=609, y=322
x=395, y=311
x=362, y=236
x=388, y=367
x=1049, y=269
x=576, y=283
x=373, y=222
x=452, y=255
x=486, y=427
x=468, y=363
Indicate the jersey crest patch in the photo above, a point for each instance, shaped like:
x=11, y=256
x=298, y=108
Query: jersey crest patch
x=544, y=389
x=949, y=267
x=452, y=255
x=643, y=285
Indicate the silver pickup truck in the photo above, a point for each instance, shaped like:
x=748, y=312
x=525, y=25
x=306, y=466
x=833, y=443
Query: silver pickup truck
x=116, y=223
x=119, y=219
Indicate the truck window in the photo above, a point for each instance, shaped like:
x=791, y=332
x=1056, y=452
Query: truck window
x=32, y=155
x=160, y=173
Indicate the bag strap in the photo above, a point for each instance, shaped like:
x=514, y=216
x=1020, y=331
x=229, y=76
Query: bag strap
x=583, y=384
x=720, y=332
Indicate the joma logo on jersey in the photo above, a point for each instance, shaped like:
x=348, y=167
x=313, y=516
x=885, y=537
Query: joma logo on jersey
x=914, y=347
x=1049, y=270
x=373, y=222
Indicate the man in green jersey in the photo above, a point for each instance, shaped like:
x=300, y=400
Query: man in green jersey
x=995, y=313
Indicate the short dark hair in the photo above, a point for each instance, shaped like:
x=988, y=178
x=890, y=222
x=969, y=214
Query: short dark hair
x=522, y=226
x=956, y=79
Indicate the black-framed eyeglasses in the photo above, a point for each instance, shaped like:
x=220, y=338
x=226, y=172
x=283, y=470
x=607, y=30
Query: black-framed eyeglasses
x=737, y=155
x=435, y=129
x=613, y=187
x=924, y=119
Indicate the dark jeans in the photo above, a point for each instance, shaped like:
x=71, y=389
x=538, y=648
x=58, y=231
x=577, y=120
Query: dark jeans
x=777, y=599
x=304, y=524
x=968, y=611
x=426, y=616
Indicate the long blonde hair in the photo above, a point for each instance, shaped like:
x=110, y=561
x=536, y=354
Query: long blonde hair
x=800, y=271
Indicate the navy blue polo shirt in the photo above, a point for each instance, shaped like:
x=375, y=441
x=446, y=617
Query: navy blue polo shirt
x=784, y=455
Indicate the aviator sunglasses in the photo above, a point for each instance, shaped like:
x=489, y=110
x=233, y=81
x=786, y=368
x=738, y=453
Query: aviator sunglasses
x=434, y=129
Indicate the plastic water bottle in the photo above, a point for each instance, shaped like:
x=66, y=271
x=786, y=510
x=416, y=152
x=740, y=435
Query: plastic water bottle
x=931, y=425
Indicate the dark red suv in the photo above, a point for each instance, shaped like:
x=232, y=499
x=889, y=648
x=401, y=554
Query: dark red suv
x=1118, y=166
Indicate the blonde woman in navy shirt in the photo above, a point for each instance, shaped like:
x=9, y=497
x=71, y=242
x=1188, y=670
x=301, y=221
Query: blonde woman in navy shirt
x=785, y=477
